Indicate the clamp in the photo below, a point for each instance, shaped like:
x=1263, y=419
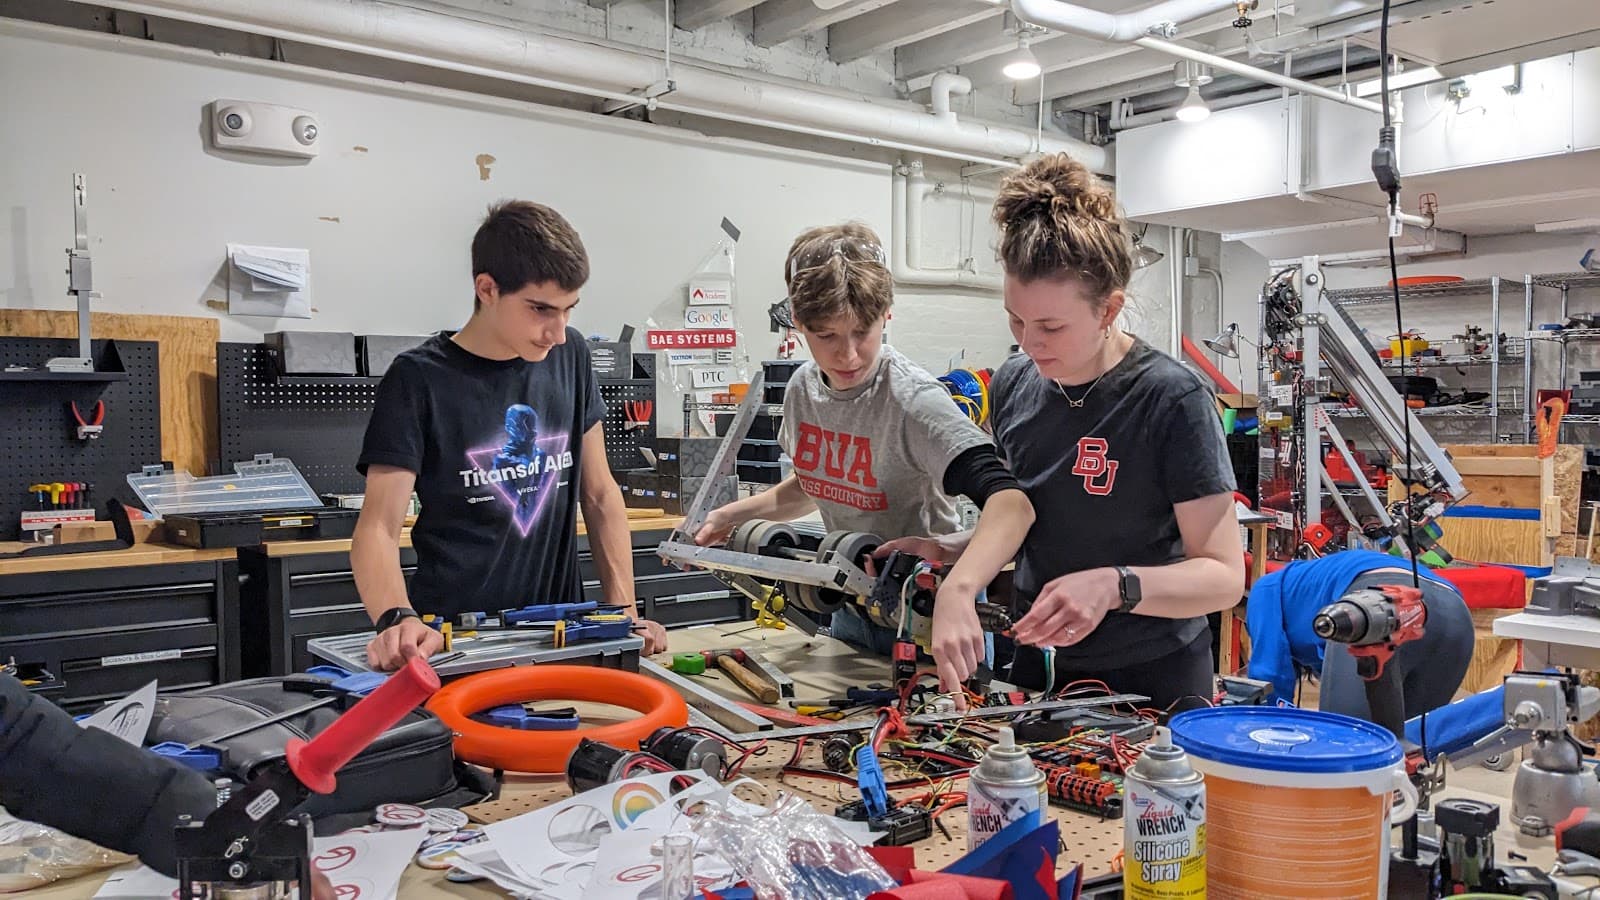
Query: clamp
x=89, y=429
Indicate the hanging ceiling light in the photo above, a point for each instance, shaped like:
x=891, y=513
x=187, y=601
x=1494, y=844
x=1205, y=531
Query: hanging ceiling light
x=1144, y=256
x=1192, y=75
x=1021, y=64
x=1193, y=108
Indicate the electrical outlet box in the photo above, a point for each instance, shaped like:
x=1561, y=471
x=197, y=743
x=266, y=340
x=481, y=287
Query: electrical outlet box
x=248, y=127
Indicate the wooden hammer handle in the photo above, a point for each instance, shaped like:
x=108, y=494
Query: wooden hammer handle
x=758, y=687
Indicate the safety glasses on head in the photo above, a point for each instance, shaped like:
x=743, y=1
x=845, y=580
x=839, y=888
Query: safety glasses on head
x=854, y=250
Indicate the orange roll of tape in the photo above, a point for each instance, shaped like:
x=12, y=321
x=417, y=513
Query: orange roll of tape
x=547, y=751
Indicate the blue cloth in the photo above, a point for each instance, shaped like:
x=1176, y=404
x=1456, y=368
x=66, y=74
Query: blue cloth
x=1283, y=603
x=1462, y=723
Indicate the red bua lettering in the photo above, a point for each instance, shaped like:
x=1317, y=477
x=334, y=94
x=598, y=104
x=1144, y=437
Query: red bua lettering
x=1099, y=471
x=841, y=456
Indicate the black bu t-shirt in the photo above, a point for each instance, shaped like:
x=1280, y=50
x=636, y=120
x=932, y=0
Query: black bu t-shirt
x=495, y=445
x=1104, y=477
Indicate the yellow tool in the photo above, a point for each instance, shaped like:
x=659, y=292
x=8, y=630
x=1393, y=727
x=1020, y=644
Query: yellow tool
x=559, y=636
x=769, y=609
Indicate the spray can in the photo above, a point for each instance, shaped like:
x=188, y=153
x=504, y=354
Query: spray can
x=1164, y=825
x=1005, y=786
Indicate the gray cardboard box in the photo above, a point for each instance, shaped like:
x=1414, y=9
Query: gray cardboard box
x=377, y=351
x=676, y=494
x=313, y=352
x=686, y=457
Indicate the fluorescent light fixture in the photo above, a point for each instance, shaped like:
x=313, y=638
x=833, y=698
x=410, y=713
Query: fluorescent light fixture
x=1399, y=81
x=1021, y=64
x=1193, y=108
x=1590, y=223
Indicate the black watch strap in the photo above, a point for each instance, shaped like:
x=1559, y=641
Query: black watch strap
x=1129, y=588
x=393, y=617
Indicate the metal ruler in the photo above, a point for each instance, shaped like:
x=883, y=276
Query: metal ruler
x=726, y=460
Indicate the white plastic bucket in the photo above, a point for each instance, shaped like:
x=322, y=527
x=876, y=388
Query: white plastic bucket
x=1298, y=803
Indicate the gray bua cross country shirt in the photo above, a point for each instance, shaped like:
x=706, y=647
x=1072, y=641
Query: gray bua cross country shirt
x=873, y=457
x=1103, y=479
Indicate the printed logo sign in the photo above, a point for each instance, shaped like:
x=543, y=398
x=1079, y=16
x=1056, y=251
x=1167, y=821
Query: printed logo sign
x=712, y=378
x=708, y=317
x=692, y=339
x=710, y=293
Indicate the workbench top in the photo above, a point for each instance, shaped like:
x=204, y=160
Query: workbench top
x=647, y=521
x=137, y=555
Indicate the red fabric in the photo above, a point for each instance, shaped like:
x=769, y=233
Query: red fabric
x=1483, y=586
x=1487, y=586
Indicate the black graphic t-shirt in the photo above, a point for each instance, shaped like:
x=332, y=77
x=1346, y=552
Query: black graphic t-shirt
x=1104, y=477
x=495, y=445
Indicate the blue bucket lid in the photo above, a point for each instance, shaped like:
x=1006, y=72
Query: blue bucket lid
x=1285, y=740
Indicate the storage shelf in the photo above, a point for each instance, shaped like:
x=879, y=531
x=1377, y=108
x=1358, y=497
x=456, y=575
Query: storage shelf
x=1580, y=420
x=771, y=409
x=1453, y=412
x=1566, y=334
x=1568, y=280
x=46, y=375
x=1381, y=293
x=328, y=380
x=1435, y=362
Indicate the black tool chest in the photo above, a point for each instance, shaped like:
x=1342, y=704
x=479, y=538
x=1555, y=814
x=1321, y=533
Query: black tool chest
x=289, y=599
x=100, y=634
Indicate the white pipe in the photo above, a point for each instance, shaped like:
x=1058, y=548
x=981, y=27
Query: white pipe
x=1381, y=213
x=945, y=84
x=905, y=240
x=1114, y=27
x=1225, y=64
x=395, y=31
x=1175, y=257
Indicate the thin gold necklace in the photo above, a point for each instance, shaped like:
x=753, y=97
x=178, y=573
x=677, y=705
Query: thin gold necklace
x=1075, y=404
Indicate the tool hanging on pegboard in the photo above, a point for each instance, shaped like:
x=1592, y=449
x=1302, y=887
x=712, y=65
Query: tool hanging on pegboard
x=89, y=429
x=639, y=412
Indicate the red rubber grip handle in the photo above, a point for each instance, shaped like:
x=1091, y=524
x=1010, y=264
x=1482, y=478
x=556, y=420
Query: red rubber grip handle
x=315, y=763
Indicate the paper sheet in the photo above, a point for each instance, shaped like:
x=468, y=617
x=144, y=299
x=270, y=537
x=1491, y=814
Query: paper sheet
x=361, y=865
x=128, y=718
x=269, y=281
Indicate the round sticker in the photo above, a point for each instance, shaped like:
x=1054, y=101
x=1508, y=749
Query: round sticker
x=439, y=856
x=446, y=820
x=401, y=814
x=459, y=876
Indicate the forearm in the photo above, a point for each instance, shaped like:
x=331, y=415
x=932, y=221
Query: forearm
x=781, y=503
x=1002, y=526
x=375, y=560
x=1191, y=587
x=46, y=757
x=605, y=517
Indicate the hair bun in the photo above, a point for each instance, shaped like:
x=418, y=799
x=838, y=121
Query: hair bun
x=1056, y=217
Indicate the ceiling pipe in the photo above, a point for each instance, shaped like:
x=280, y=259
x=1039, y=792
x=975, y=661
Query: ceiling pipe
x=1137, y=27
x=905, y=239
x=425, y=37
x=1118, y=28
x=944, y=85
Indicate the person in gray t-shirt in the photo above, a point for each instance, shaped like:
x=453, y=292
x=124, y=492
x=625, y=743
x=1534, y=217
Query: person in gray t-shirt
x=879, y=447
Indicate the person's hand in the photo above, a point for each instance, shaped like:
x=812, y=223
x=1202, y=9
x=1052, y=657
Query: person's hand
x=1069, y=608
x=395, y=646
x=958, y=642
x=654, y=634
x=944, y=550
x=321, y=887
x=717, y=527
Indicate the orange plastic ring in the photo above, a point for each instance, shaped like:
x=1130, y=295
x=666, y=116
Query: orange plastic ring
x=547, y=751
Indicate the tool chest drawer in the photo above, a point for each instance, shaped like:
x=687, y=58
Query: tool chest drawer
x=645, y=561
x=289, y=600
x=101, y=634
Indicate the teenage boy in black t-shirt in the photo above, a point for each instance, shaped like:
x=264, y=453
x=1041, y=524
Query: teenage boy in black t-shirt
x=497, y=429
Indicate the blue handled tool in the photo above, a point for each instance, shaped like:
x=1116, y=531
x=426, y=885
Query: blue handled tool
x=517, y=716
x=549, y=612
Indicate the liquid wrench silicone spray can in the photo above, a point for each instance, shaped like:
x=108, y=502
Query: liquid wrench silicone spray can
x=1004, y=787
x=1164, y=826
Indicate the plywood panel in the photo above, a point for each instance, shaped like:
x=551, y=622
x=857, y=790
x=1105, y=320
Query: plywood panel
x=188, y=370
x=1493, y=465
x=1509, y=492
x=1492, y=658
x=1516, y=491
x=1496, y=541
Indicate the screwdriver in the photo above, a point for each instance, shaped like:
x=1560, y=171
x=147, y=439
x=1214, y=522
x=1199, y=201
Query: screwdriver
x=56, y=490
x=39, y=492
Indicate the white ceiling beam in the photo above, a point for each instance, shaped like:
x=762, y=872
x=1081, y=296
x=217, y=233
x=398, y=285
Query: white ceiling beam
x=694, y=14
x=896, y=26
x=777, y=21
x=1126, y=75
x=954, y=48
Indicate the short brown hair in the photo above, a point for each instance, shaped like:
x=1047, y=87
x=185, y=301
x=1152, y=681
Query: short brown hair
x=838, y=269
x=1057, y=220
x=522, y=243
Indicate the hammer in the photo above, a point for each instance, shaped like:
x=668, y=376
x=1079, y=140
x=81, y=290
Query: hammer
x=732, y=662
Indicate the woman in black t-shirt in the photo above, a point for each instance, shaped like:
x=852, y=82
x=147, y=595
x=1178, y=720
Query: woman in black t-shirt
x=1118, y=447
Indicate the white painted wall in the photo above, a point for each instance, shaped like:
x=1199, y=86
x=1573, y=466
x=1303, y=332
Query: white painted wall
x=398, y=174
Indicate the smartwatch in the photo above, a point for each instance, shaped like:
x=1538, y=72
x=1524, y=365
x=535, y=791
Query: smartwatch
x=393, y=617
x=1128, y=587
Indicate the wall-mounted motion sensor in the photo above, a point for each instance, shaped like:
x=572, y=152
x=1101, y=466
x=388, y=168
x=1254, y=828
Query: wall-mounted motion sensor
x=247, y=127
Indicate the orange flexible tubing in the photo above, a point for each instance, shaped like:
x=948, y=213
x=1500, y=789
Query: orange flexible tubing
x=546, y=752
